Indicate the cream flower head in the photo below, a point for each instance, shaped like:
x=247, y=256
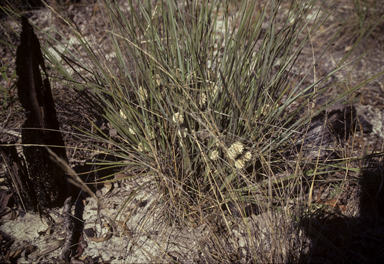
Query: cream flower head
x=143, y=93
x=131, y=131
x=140, y=147
x=182, y=132
x=235, y=150
x=178, y=118
x=247, y=157
x=214, y=155
x=202, y=99
x=239, y=163
x=122, y=114
x=151, y=135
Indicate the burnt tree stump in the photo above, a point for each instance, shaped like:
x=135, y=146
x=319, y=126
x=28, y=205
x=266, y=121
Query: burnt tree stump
x=41, y=127
x=17, y=178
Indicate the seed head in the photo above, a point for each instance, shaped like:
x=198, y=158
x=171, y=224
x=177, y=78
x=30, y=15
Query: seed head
x=235, y=150
x=143, y=93
x=214, y=155
x=239, y=163
x=178, y=118
x=182, y=132
x=247, y=157
x=122, y=114
x=140, y=147
x=202, y=99
x=131, y=131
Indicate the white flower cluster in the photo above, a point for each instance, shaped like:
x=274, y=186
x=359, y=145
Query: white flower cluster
x=131, y=131
x=140, y=147
x=214, y=155
x=235, y=150
x=143, y=93
x=202, y=99
x=151, y=135
x=122, y=114
x=240, y=163
x=178, y=118
x=182, y=132
x=247, y=157
x=213, y=89
x=125, y=117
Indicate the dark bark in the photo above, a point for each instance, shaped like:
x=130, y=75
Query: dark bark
x=17, y=179
x=41, y=127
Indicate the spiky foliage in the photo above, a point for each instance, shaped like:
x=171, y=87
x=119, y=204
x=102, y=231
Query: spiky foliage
x=201, y=99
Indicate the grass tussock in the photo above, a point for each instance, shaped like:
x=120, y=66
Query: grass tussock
x=203, y=99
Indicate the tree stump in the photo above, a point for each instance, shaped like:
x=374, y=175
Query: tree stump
x=41, y=127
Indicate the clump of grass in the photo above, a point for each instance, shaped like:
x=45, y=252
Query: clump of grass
x=364, y=15
x=205, y=107
x=8, y=90
x=360, y=19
